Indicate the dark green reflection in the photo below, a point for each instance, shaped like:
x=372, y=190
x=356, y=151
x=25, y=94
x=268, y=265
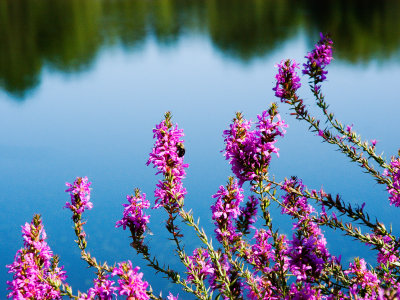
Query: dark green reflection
x=66, y=35
x=248, y=29
x=362, y=30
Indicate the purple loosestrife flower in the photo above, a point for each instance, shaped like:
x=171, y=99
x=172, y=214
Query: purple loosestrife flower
x=304, y=261
x=249, y=151
x=133, y=217
x=200, y=266
x=307, y=250
x=387, y=259
x=103, y=288
x=318, y=59
x=394, y=174
x=386, y=256
x=269, y=261
x=36, y=271
x=266, y=132
x=262, y=251
x=130, y=282
x=225, y=210
x=393, y=292
x=363, y=281
x=80, y=195
x=293, y=204
x=266, y=290
x=167, y=157
x=303, y=292
x=287, y=80
x=239, y=146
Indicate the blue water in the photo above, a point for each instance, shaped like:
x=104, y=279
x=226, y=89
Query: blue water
x=98, y=123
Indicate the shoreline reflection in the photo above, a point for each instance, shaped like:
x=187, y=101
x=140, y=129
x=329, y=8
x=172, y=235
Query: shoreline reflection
x=66, y=36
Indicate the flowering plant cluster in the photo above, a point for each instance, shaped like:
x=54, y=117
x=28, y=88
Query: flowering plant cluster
x=252, y=259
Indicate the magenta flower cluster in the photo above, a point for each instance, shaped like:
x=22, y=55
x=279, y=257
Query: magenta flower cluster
x=227, y=209
x=394, y=174
x=287, y=80
x=362, y=279
x=199, y=265
x=167, y=157
x=318, y=59
x=131, y=285
x=133, y=216
x=35, y=274
x=305, y=291
x=388, y=255
x=249, y=151
x=262, y=252
x=80, y=195
x=307, y=250
x=103, y=289
x=388, y=260
x=130, y=281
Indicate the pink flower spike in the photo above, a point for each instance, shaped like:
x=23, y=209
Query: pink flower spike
x=167, y=157
x=80, y=195
x=34, y=265
x=130, y=282
x=287, y=80
x=318, y=59
x=133, y=216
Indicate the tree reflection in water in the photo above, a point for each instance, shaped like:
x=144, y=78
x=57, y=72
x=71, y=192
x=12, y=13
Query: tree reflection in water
x=66, y=35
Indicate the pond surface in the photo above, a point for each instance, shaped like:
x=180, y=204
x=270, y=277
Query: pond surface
x=84, y=82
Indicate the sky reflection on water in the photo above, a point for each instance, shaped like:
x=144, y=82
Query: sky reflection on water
x=98, y=123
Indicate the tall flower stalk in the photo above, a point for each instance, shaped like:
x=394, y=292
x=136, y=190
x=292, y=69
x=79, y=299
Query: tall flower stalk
x=167, y=158
x=36, y=274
